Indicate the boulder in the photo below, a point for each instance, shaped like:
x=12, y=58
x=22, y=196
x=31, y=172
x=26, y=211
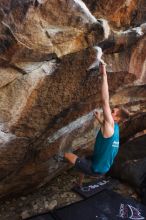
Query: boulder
x=47, y=97
x=130, y=164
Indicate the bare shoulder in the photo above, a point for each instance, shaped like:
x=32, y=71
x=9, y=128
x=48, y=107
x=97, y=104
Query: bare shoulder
x=107, y=129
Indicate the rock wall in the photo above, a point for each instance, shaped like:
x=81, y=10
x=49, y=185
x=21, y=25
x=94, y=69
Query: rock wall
x=46, y=94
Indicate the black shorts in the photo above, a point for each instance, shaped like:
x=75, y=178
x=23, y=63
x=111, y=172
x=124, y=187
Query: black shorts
x=84, y=165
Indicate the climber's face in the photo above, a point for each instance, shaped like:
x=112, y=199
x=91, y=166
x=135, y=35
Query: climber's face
x=116, y=114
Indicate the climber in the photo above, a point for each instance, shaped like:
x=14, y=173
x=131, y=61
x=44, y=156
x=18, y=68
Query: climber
x=107, y=140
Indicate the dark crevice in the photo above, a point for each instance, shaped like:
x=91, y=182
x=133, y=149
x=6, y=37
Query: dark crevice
x=135, y=124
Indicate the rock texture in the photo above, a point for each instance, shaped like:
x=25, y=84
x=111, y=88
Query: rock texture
x=46, y=94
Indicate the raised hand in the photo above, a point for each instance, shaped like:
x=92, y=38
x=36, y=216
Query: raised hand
x=97, y=116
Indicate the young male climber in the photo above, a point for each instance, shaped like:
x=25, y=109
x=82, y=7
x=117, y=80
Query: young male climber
x=107, y=140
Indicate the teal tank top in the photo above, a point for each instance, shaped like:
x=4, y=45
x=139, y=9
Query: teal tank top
x=105, y=150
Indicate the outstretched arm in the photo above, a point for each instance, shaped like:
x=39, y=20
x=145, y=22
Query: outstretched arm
x=105, y=96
